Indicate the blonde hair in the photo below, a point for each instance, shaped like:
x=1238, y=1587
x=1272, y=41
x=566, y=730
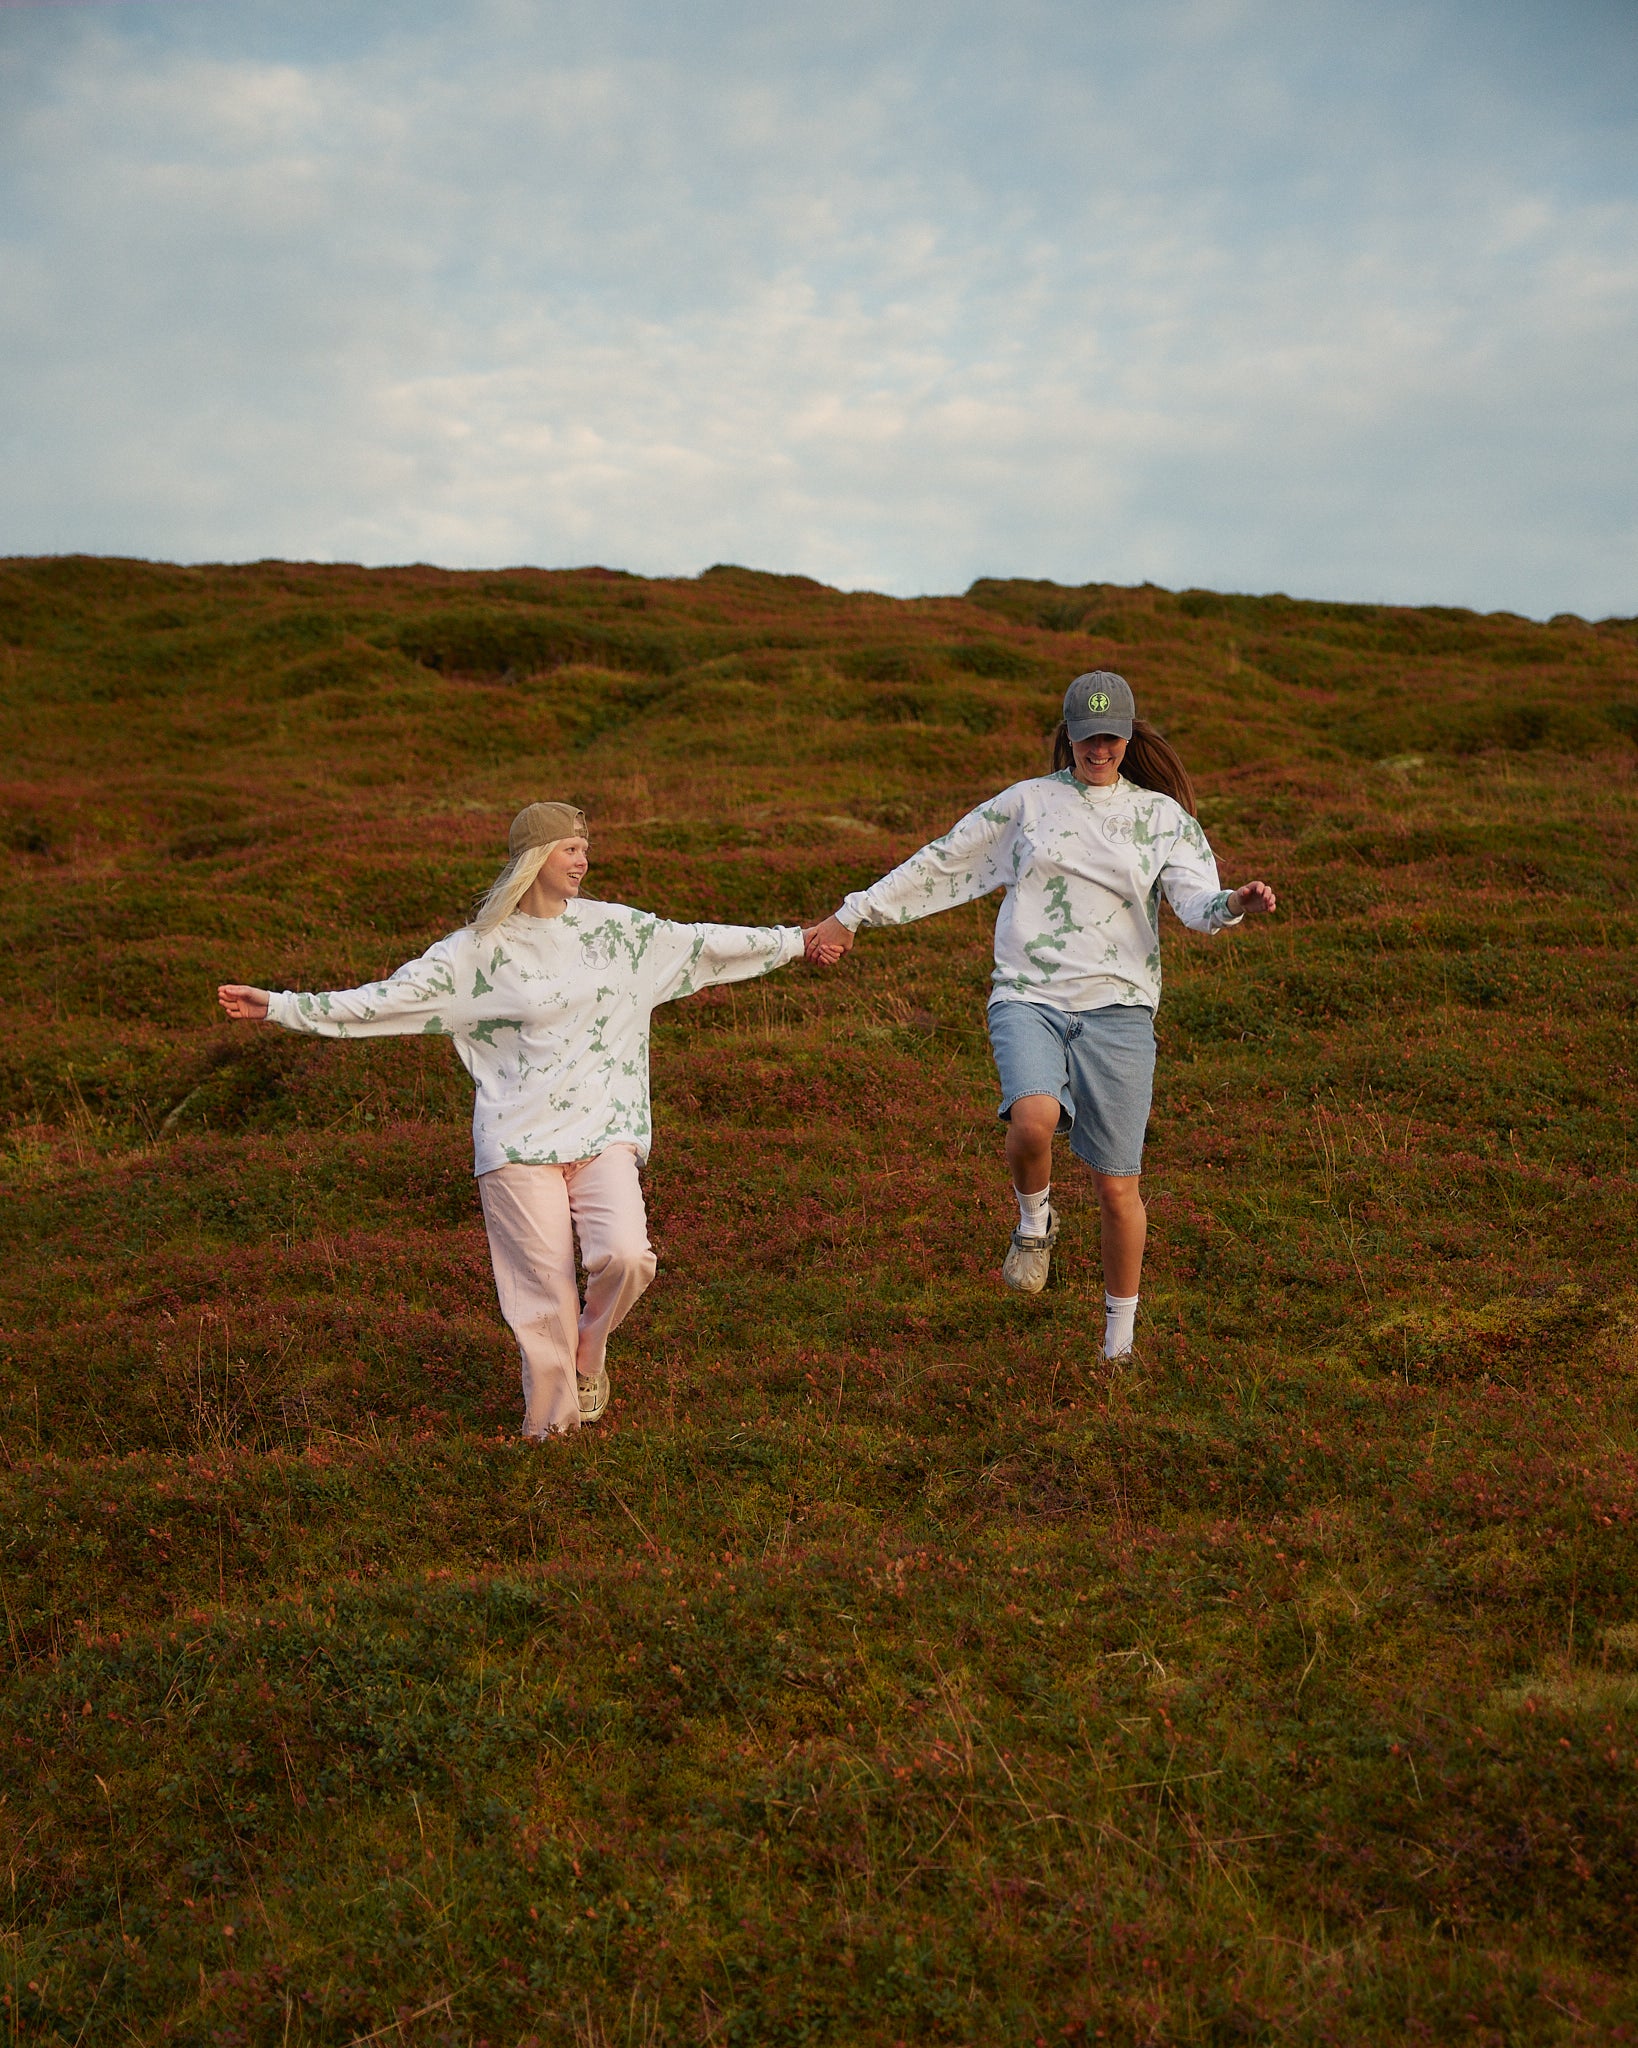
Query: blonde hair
x=530, y=847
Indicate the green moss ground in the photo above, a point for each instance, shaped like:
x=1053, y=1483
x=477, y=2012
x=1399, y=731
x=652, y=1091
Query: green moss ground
x=886, y=1669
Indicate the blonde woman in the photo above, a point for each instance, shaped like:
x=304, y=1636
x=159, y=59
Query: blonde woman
x=1084, y=855
x=548, y=999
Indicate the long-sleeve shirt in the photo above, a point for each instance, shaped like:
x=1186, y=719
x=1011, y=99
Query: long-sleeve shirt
x=1084, y=870
x=550, y=1018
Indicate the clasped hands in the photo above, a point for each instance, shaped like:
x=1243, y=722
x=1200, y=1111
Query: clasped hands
x=825, y=943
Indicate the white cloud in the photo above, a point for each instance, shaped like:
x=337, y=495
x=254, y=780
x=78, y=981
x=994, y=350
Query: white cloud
x=1234, y=293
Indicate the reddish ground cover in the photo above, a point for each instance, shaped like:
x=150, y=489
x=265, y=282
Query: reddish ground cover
x=886, y=1669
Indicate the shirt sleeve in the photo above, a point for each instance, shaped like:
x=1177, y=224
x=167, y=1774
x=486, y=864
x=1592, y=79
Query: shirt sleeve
x=1191, y=884
x=421, y=996
x=688, y=957
x=974, y=857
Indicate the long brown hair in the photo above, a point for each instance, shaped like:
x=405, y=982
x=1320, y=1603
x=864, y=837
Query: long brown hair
x=1150, y=760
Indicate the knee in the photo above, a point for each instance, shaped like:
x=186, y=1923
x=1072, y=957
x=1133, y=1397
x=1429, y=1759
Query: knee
x=628, y=1264
x=1033, y=1119
x=1120, y=1194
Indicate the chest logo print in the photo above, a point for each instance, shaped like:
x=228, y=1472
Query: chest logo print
x=1119, y=831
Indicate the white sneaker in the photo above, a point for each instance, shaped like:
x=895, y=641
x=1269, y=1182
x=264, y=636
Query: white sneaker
x=594, y=1396
x=1028, y=1259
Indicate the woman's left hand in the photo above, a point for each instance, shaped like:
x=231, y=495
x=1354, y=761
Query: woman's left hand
x=1253, y=896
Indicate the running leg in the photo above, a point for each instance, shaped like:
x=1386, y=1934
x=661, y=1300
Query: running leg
x=1031, y=1125
x=1125, y=1224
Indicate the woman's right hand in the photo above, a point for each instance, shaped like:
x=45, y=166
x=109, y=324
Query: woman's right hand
x=826, y=943
x=1252, y=896
x=248, y=1004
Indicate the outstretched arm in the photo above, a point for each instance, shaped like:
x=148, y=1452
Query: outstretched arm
x=423, y=995
x=688, y=957
x=972, y=858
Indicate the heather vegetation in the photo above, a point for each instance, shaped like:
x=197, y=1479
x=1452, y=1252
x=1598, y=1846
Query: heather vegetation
x=884, y=1669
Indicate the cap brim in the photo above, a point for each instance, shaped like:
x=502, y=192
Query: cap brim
x=1084, y=728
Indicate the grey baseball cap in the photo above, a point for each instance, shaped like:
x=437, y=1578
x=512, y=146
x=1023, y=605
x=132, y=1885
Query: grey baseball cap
x=1099, y=701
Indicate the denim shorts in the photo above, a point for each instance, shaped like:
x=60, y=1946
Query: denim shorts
x=1099, y=1063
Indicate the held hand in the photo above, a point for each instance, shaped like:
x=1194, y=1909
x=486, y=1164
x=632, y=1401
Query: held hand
x=826, y=943
x=247, y=1004
x=1252, y=896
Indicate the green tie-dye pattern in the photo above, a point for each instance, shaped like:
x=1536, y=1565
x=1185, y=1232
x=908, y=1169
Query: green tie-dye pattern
x=1083, y=872
x=484, y=1032
x=554, y=1031
x=1058, y=910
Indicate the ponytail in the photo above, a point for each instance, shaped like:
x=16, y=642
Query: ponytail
x=1150, y=761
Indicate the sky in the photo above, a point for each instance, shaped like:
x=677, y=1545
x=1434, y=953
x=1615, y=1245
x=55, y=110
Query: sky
x=1335, y=297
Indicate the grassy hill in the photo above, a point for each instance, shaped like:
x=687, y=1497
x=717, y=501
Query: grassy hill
x=885, y=1669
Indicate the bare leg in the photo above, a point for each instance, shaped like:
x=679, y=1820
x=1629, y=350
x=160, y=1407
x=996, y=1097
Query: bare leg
x=1030, y=1127
x=1125, y=1226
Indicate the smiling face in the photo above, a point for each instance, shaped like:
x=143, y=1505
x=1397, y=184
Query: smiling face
x=1098, y=759
x=564, y=868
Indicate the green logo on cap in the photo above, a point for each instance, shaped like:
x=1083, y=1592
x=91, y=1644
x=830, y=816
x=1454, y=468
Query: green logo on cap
x=1098, y=701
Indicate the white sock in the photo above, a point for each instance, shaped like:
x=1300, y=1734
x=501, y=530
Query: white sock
x=1034, y=1211
x=1120, y=1313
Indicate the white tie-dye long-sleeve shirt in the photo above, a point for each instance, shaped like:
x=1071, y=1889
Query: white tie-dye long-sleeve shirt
x=1084, y=870
x=550, y=1018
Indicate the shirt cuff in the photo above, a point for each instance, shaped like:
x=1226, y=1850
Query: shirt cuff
x=850, y=916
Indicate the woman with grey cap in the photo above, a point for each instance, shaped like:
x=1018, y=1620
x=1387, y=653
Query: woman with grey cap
x=1084, y=855
x=548, y=1001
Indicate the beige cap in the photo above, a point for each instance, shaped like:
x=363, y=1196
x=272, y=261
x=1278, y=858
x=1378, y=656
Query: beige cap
x=543, y=824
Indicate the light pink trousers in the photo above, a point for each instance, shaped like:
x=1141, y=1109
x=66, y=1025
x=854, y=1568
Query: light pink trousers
x=533, y=1215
